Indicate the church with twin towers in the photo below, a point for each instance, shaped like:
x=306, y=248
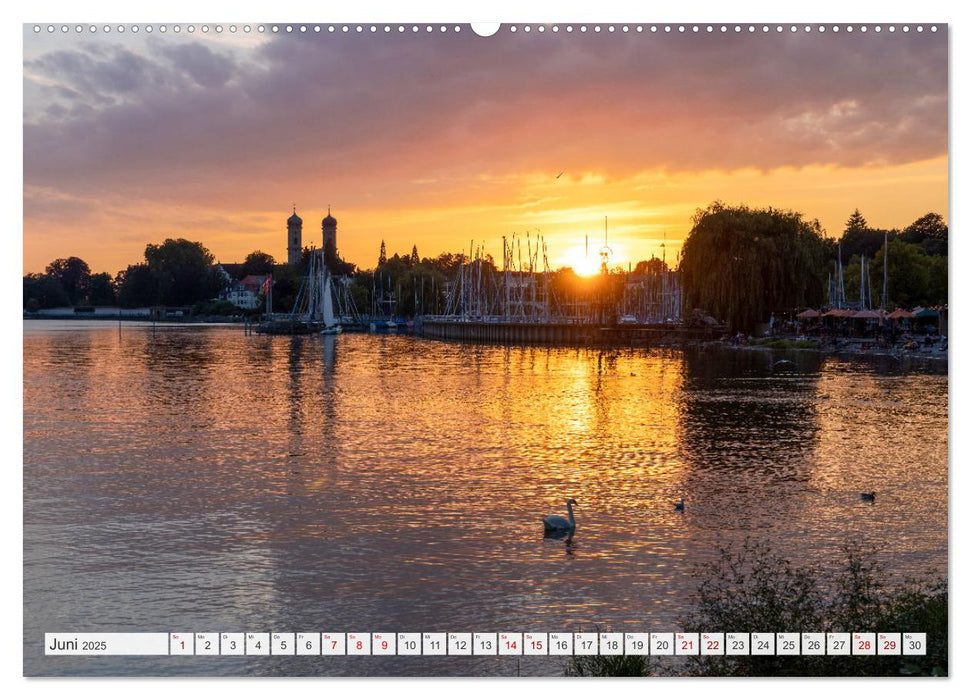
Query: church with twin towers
x=328, y=227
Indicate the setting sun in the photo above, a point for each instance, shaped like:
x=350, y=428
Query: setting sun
x=583, y=263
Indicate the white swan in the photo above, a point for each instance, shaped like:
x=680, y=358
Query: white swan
x=554, y=523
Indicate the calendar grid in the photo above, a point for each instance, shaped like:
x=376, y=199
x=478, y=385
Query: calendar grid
x=487, y=644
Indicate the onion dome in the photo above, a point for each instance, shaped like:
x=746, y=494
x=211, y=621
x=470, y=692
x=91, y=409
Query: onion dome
x=329, y=220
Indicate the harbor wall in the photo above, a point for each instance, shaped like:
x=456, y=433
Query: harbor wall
x=563, y=333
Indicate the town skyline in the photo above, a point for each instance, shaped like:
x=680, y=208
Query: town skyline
x=439, y=140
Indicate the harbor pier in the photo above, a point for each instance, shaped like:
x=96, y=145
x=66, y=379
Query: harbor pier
x=564, y=333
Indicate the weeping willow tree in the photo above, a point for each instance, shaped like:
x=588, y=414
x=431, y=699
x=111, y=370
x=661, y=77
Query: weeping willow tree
x=740, y=264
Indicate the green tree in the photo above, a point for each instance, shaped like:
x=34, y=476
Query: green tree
x=856, y=223
x=136, y=287
x=414, y=255
x=183, y=270
x=284, y=294
x=741, y=264
x=929, y=232
x=102, y=290
x=43, y=292
x=258, y=263
x=913, y=277
x=937, y=280
x=74, y=275
x=859, y=239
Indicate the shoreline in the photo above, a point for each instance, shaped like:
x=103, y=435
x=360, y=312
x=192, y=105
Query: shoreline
x=853, y=350
x=932, y=358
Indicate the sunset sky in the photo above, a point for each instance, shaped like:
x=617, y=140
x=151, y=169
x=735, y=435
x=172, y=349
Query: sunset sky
x=437, y=139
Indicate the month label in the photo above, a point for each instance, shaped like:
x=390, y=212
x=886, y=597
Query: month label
x=107, y=644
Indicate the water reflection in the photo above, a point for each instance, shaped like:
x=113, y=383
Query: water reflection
x=199, y=477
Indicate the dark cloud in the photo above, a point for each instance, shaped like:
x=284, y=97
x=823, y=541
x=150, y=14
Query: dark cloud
x=98, y=70
x=207, y=68
x=375, y=111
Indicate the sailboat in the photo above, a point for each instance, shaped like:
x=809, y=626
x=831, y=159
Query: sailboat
x=331, y=327
x=313, y=310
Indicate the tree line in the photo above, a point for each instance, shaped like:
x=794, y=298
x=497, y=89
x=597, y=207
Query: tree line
x=741, y=264
x=176, y=272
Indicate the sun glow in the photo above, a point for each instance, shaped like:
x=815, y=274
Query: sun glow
x=583, y=263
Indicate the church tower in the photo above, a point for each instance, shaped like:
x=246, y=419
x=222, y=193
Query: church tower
x=329, y=228
x=294, y=238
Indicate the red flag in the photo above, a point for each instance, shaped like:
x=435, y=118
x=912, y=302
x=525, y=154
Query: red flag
x=267, y=283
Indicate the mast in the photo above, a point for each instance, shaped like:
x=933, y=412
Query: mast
x=862, y=280
x=841, y=291
x=883, y=299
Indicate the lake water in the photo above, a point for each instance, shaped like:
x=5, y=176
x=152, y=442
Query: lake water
x=197, y=479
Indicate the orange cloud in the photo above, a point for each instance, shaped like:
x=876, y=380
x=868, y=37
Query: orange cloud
x=439, y=140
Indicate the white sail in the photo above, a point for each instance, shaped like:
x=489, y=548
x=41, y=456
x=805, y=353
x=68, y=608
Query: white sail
x=328, y=304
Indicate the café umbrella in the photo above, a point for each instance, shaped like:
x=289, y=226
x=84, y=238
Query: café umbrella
x=900, y=313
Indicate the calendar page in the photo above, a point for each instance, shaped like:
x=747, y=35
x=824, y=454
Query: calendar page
x=584, y=349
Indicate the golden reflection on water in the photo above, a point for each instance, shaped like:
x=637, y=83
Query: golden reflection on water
x=389, y=481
